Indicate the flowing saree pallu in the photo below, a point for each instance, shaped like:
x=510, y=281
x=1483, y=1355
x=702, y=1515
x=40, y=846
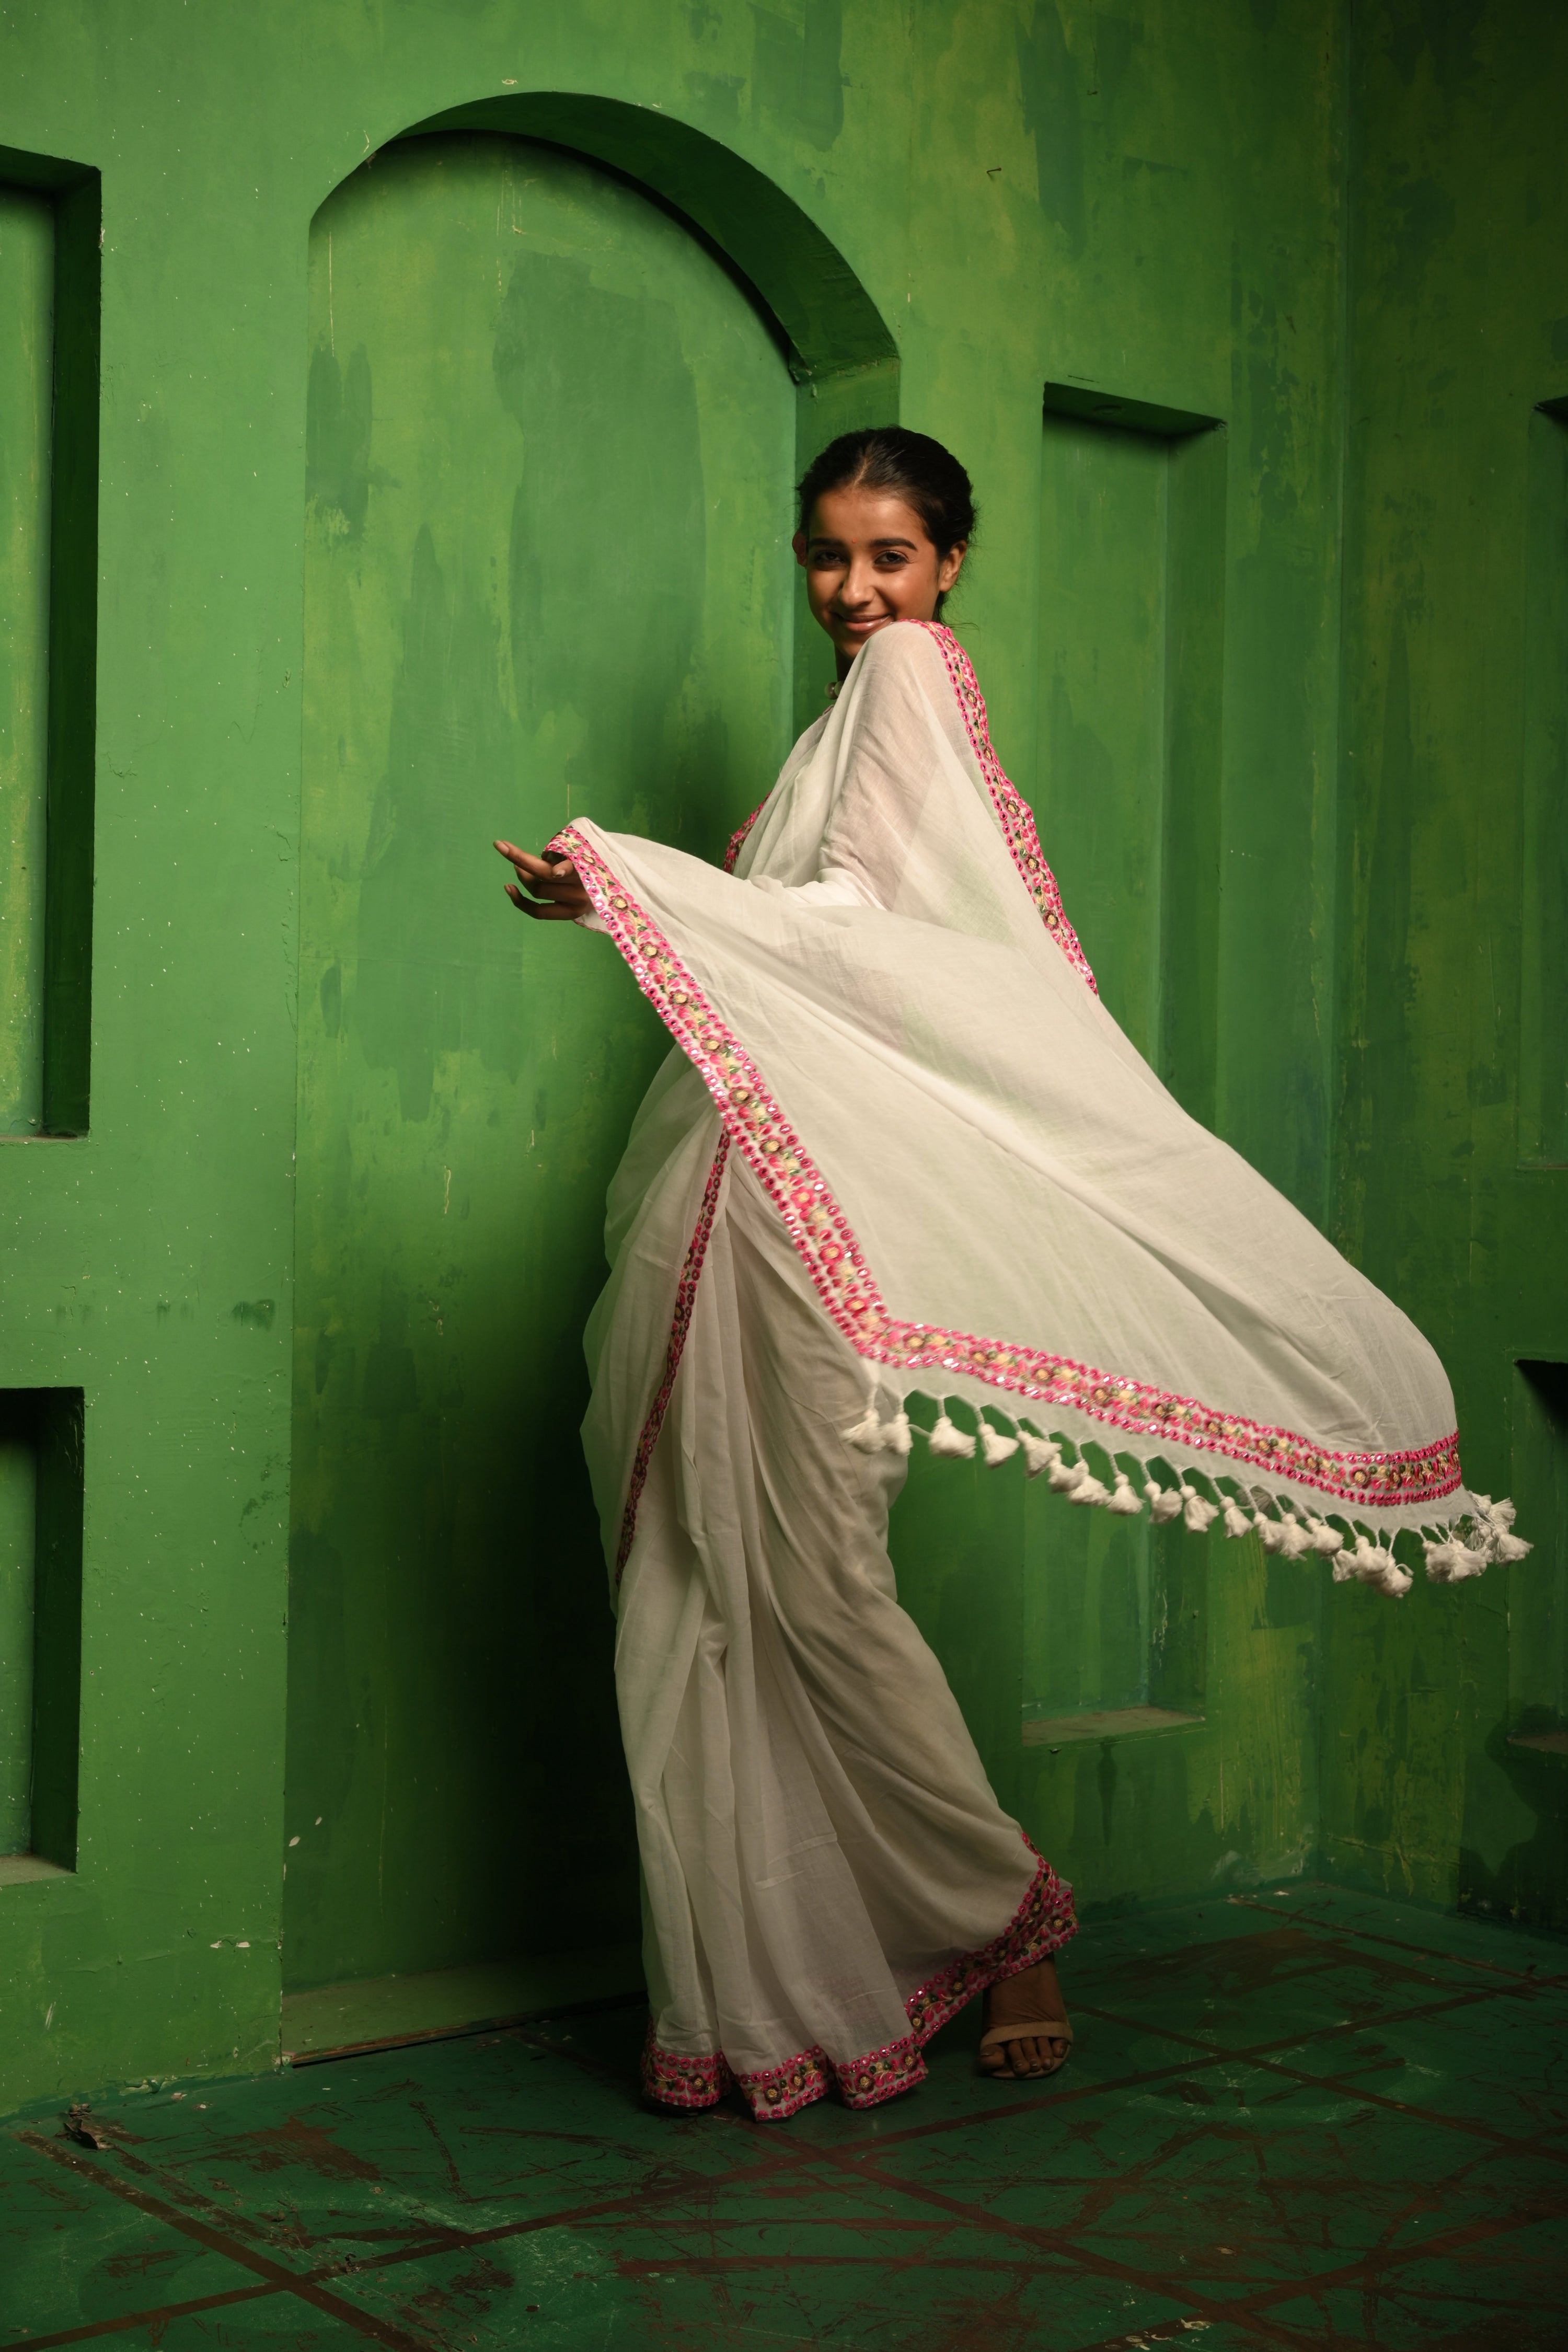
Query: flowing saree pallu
x=994, y=1198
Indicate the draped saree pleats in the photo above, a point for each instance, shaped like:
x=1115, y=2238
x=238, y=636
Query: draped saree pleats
x=828, y=1876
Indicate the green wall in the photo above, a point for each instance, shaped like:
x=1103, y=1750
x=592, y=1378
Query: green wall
x=535, y=608
x=1452, y=1187
x=1251, y=606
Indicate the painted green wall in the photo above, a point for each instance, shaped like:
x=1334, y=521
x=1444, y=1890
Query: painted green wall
x=574, y=594
x=1308, y=896
x=1454, y=847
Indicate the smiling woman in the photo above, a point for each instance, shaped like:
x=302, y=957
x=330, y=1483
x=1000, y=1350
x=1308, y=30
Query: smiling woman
x=886, y=518
x=901, y=1148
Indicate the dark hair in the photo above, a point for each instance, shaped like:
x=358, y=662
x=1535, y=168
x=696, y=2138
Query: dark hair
x=918, y=470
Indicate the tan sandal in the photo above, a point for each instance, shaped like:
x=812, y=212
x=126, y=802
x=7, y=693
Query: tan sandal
x=1044, y=2029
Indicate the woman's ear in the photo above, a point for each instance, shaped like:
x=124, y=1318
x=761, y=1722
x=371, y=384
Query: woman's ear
x=798, y=543
x=950, y=567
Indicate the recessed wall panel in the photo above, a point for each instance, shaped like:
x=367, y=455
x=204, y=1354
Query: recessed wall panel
x=1131, y=652
x=40, y=1620
x=19, y=1510
x=1537, y=1605
x=26, y=316
x=1543, y=1007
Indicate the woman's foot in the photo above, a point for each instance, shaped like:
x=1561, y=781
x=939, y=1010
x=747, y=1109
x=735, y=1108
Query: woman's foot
x=1025, y=1999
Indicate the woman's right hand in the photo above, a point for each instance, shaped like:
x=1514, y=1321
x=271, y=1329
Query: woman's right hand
x=554, y=892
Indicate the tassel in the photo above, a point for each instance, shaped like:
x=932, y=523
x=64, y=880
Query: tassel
x=868, y=1435
x=1394, y=1577
x=943, y=1438
x=1199, y=1513
x=1165, y=1502
x=1293, y=1537
x=1124, y=1501
x=1270, y=1532
x=1493, y=1537
x=1090, y=1489
x=897, y=1435
x=1067, y=1477
x=1039, y=1453
x=1237, y=1522
x=1376, y=1565
x=1324, y=1538
x=1451, y=1561
x=994, y=1445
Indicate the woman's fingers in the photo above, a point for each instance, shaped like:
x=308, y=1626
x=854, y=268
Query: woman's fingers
x=542, y=910
x=550, y=883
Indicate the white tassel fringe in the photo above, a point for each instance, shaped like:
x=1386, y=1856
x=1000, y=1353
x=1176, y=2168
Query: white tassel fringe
x=994, y=1445
x=1453, y=1551
x=944, y=1438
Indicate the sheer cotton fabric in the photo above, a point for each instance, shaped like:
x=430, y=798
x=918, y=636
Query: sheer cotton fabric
x=827, y=1876
x=993, y=1197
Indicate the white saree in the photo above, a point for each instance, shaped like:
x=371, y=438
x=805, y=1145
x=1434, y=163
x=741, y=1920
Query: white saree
x=902, y=1147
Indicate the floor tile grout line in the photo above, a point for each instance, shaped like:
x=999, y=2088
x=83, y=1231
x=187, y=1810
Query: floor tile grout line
x=1505, y=2142
x=446, y=2238
x=1395, y=1943
x=1259, y=2055
x=165, y=2311
x=246, y=2256
x=1210, y=2056
x=181, y=2192
x=1101, y=2266
x=1364, y=2267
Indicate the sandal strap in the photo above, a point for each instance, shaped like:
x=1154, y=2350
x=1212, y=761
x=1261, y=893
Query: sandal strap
x=1044, y=2029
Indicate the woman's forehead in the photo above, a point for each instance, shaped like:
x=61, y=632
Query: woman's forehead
x=859, y=513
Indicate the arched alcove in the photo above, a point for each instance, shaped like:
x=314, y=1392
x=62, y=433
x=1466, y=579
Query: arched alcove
x=837, y=347
x=553, y=415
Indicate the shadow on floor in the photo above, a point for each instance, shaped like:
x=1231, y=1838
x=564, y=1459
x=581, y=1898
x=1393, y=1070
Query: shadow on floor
x=1302, y=2118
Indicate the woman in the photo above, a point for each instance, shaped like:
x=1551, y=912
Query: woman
x=896, y=1095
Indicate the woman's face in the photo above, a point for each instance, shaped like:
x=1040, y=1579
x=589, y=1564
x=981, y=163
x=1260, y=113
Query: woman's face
x=867, y=561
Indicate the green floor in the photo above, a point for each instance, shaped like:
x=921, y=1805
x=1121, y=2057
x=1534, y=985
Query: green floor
x=1294, y=2118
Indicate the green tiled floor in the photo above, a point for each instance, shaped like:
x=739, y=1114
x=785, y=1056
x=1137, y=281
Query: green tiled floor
x=1306, y=2118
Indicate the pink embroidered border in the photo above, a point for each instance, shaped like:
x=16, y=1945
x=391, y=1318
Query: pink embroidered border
x=1042, y=1924
x=1013, y=810
x=685, y=1294
x=737, y=838
x=831, y=1253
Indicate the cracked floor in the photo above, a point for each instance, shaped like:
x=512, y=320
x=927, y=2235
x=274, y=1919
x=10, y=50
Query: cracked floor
x=1297, y=2118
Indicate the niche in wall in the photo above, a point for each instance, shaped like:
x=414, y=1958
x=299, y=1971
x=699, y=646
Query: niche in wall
x=1131, y=661
x=522, y=356
x=1537, y=1605
x=49, y=215
x=1130, y=650
x=40, y=1627
x=1544, y=1038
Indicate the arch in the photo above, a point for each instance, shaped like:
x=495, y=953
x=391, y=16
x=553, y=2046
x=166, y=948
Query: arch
x=838, y=348
x=832, y=324
x=451, y=1157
